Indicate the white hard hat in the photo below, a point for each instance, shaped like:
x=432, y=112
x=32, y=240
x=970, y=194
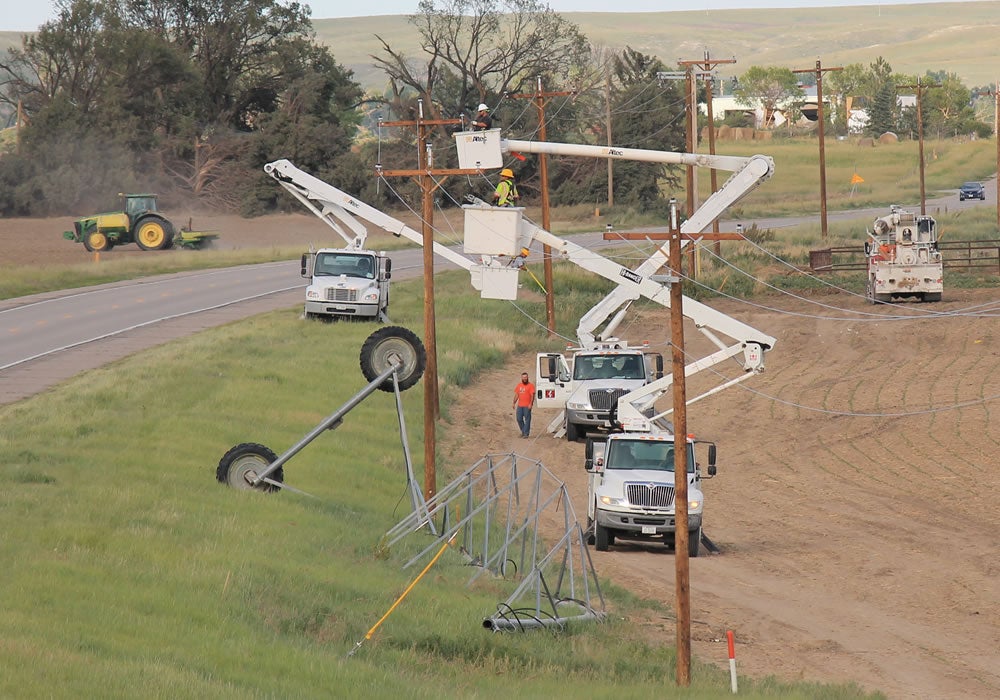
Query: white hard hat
x=481, y=108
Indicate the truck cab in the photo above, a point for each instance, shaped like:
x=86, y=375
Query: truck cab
x=631, y=489
x=346, y=283
x=587, y=383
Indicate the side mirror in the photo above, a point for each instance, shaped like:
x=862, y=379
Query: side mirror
x=304, y=271
x=588, y=455
x=658, y=366
x=711, y=460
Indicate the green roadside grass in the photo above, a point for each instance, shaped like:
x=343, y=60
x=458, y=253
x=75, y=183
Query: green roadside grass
x=128, y=571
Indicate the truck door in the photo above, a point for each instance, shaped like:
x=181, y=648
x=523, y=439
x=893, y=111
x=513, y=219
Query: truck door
x=552, y=380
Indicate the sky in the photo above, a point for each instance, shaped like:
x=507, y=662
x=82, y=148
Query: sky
x=27, y=15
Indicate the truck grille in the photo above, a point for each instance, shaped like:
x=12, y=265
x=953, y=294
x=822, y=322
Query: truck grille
x=336, y=294
x=604, y=399
x=650, y=495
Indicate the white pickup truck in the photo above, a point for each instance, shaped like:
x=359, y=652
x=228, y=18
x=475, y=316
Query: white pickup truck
x=631, y=489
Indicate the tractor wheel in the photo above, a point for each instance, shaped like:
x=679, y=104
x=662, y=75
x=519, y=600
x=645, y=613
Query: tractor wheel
x=97, y=242
x=154, y=233
x=393, y=345
x=243, y=463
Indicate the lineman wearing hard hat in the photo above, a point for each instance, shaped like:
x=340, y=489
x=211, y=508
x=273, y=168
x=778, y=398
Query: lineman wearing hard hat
x=482, y=120
x=506, y=194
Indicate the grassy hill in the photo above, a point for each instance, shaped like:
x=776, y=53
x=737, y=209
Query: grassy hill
x=959, y=38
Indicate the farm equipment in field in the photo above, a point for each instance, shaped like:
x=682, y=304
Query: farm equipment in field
x=138, y=221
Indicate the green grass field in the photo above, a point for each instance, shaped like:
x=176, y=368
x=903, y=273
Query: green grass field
x=128, y=571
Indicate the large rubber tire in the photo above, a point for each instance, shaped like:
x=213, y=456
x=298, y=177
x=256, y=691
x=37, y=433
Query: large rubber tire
x=602, y=538
x=572, y=432
x=393, y=345
x=694, y=542
x=97, y=242
x=154, y=233
x=247, y=460
x=932, y=296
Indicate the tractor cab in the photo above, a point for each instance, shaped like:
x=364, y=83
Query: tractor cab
x=136, y=205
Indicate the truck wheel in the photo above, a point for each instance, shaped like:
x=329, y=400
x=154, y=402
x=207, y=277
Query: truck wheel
x=154, y=233
x=97, y=242
x=246, y=461
x=393, y=345
x=694, y=542
x=602, y=538
x=932, y=296
x=589, y=532
x=572, y=432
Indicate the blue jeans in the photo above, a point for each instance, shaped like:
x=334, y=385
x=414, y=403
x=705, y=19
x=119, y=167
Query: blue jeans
x=524, y=419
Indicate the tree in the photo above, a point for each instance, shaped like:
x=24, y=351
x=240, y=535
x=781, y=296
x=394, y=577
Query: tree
x=645, y=114
x=479, y=50
x=177, y=93
x=768, y=88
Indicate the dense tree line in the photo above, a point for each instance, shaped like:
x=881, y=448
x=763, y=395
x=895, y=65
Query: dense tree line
x=190, y=98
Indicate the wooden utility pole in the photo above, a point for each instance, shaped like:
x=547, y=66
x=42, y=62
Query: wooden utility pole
x=996, y=135
x=821, y=122
x=425, y=176
x=610, y=143
x=920, y=135
x=705, y=67
x=539, y=97
x=682, y=574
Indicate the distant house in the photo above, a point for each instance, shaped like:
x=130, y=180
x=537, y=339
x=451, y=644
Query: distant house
x=857, y=118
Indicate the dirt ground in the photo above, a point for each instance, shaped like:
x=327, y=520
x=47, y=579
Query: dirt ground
x=857, y=504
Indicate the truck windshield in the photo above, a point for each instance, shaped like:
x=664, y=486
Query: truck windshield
x=611, y=366
x=656, y=455
x=349, y=264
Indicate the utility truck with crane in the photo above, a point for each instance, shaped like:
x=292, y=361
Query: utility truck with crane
x=631, y=483
x=903, y=258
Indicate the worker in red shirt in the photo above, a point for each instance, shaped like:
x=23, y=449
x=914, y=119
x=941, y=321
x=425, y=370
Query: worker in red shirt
x=524, y=401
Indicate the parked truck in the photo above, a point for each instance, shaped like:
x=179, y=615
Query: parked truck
x=631, y=488
x=589, y=381
x=903, y=258
x=347, y=283
x=138, y=221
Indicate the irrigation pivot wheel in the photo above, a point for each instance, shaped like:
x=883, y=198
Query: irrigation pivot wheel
x=243, y=463
x=393, y=345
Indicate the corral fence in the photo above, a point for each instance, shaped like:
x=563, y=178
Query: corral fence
x=967, y=256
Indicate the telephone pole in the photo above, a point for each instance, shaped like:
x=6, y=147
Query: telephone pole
x=541, y=98
x=705, y=67
x=821, y=122
x=920, y=135
x=424, y=176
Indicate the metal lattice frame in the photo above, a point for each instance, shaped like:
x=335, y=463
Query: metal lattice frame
x=493, y=510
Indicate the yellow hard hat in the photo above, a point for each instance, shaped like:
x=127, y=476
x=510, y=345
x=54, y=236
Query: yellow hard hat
x=507, y=172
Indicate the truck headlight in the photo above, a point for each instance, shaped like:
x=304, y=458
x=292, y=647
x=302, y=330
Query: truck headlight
x=609, y=501
x=576, y=405
x=313, y=294
x=370, y=296
x=694, y=505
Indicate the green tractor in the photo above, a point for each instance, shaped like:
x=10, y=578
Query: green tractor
x=140, y=222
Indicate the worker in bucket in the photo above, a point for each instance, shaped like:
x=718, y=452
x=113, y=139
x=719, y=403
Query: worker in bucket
x=506, y=194
x=482, y=121
x=524, y=401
